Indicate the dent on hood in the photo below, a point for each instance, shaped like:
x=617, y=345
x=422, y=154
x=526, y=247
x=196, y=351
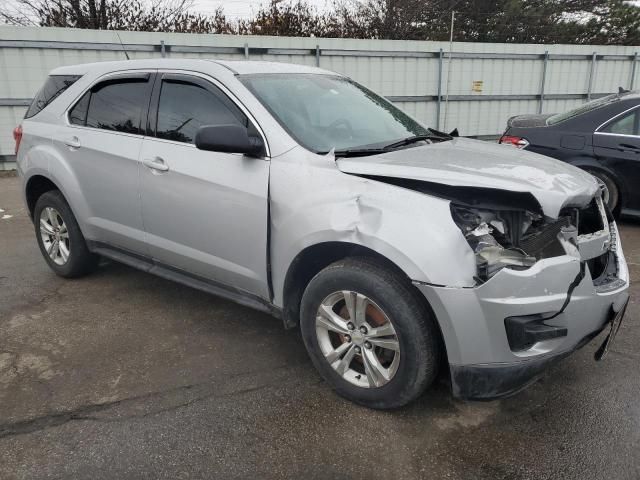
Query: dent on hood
x=552, y=193
x=462, y=163
x=549, y=203
x=478, y=197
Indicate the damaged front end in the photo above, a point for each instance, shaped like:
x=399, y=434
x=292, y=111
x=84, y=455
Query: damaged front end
x=544, y=287
x=516, y=238
x=543, y=268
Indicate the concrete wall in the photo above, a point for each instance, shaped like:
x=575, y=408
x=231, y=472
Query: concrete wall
x=419, y=76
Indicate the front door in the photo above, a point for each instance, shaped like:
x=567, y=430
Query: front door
x=204, y=212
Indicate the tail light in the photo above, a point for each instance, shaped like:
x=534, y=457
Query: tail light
x=517, y=142
x=17, y=136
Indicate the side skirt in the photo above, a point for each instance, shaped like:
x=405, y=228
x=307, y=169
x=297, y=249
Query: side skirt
x=180, y=276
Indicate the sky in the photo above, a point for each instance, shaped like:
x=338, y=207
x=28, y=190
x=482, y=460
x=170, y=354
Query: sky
x=234, y=9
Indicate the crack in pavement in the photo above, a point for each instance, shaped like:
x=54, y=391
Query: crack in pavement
x=89, y=412
x=33, y=304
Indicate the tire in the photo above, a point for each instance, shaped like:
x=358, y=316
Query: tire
x=391, y=296
x=61, y=226
x=612, y=195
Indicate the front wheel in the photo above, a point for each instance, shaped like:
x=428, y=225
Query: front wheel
x=368, y=333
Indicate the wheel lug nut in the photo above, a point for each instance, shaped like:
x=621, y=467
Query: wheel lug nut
x=367, y=345
x=351, y=326
x=357, y=349
x=363, y=329
x=347, y=338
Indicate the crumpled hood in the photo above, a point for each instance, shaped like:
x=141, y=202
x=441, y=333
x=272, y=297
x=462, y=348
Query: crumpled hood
x=473, y=163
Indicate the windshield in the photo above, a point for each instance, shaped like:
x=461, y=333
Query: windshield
x=587, y=107
x=323, y=112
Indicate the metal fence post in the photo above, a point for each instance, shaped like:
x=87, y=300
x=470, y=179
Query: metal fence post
x=591, y=73
x=317, y=55
x=246, y=50
x=543, y=81
x=163, y=50
x=633, y=70
x=440, y=55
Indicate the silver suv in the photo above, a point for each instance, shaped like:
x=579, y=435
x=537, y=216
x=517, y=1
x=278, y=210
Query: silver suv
x=396, y=248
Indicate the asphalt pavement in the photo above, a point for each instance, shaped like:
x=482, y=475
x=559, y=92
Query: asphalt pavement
x=123, y=375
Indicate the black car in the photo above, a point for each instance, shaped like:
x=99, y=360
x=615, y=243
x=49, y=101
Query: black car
x=601, y=136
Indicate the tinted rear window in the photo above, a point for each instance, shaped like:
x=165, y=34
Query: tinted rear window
x=54, y=86
x=582, y=109
x=117, y=105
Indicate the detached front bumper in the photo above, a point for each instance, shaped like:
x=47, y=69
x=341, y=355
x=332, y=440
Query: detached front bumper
x=483, y=362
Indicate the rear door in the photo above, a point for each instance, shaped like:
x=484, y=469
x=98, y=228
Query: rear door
x=617, y=146
x=102, y=142
x=204, y=212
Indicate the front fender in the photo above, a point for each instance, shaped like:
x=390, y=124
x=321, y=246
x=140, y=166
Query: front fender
x=313, y=202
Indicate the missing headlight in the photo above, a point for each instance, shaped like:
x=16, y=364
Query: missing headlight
x=515, y=239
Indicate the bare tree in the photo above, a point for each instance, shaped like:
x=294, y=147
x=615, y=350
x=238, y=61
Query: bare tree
x=528, y=21
x=137, y=15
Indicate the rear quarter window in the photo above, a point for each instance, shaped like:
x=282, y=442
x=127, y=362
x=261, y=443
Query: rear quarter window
x=625, y=125
x=52, y=88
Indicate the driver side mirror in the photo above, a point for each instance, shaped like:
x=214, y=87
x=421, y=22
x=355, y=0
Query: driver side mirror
x=228, y=139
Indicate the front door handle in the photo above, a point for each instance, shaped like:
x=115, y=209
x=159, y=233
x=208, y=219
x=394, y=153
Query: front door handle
x=156, y=163
x=73, y=142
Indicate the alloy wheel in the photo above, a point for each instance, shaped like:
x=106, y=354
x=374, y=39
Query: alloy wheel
x=55, y=236
x=357, y=339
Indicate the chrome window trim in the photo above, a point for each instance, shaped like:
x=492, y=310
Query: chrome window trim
x=107, y=76
x=616, y=134
x=607, y=122
x=125, y=73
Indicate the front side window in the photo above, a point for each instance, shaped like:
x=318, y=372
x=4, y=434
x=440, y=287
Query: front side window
x=323, y=111
x=53, y=87
x=112, y=105
x=625, y=125
x=184, y=107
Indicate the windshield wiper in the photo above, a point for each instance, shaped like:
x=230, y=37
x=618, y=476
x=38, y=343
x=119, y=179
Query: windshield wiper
x=434, y=135
x=359, y=152
x=444, y=136
x=409, y=141
x=362, y=152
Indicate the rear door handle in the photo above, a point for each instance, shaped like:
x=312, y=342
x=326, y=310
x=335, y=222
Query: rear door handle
x=73, y=142
x=627, y=146
x=156, y=163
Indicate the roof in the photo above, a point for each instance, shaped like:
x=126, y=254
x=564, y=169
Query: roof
x=243, y=67
x=240, y=67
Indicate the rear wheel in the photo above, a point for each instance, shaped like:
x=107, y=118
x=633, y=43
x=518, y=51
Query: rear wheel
x=368, y=334
x=59, y=237
x=611, y=194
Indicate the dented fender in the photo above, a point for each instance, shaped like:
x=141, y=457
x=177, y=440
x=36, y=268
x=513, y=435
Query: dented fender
x=312, y=202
